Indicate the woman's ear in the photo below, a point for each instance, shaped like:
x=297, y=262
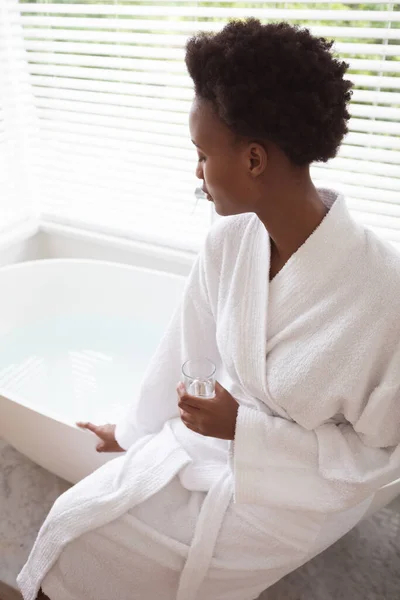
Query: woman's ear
x=257, y=159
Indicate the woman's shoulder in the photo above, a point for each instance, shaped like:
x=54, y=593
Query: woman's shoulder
x=384, y=262
x=228, y=231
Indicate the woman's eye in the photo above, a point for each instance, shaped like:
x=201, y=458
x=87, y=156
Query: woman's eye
x=202, y=158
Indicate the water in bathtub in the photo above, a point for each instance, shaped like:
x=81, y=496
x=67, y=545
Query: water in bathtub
x=77, y=367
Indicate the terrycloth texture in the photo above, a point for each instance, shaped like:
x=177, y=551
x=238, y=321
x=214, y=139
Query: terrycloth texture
x=313, y=359
x=142, y=554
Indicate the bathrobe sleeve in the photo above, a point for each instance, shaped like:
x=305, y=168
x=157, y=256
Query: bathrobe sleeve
x=190, y=334
x=279, y=463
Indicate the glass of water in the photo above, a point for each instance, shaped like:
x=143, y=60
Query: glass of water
x=199, y=377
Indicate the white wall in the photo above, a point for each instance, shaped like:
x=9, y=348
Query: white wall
x=23, y=244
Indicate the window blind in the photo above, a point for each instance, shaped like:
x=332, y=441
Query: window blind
x=112, y=96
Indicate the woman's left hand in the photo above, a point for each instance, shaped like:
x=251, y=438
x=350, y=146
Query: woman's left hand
x=213, y=417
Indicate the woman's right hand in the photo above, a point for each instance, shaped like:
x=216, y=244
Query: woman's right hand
x=106, y=433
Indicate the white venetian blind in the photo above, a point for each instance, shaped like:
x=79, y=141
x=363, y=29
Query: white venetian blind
x=112, y=95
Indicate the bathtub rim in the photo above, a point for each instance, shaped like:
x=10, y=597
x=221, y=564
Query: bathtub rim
x=39, y=262
x=15, y=398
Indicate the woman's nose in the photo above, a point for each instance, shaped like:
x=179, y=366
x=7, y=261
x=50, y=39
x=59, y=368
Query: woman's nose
x=199, y=171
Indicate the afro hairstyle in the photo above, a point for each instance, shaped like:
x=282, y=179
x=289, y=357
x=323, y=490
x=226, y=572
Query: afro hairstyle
x=274, y=82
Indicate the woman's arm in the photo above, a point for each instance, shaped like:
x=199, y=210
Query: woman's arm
x=278, y=462
x=190, y=334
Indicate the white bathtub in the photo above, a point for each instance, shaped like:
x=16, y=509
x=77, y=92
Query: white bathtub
x=75, y=339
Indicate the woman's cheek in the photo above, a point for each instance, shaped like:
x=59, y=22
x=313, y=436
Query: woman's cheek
x=212, y=177
x=208, y=178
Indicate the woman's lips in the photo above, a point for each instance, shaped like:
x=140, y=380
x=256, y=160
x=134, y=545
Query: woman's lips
x=202, y=193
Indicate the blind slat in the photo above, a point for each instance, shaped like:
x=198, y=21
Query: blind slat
x=374, y=207
x=104, y=49
x=212, y=12
x=329, y=31
x=179, y=159
x=356, y=167
x=86, y=100
x=78, y=142
x=107, y=62
x=372, y=140
x=151, y=3
x=371, y=154
x=372, y=181
x=356, y=191
x=135, y=122
x=102, y=132
x=111, y=87
x=105, y=177
x=373, y=126
x=375, y=112
x=154, y=78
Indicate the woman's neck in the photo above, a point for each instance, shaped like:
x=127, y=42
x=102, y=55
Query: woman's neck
x=293, y=211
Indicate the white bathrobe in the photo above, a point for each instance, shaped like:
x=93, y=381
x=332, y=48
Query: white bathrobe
x=313, y=358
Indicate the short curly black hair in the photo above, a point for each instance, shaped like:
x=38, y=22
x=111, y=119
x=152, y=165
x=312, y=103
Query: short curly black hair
x=274, y=82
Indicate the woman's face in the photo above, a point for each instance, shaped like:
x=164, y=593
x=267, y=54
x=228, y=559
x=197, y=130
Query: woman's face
x=224, y=163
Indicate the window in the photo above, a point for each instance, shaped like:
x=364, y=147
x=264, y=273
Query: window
x=111, y=96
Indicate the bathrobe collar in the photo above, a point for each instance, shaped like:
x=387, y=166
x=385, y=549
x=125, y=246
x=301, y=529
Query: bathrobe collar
x=325, y=250
x=314, y=264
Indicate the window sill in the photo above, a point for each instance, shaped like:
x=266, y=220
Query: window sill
x=41, y=239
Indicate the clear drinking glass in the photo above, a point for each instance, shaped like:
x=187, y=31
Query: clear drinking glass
x=199, y=377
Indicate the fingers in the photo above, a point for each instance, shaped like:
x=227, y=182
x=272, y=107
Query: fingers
x=186, y=416
x=218, y=388
x=197, y=402
x=87, y=425
x=186, y=400
x=187, y=405
x=181, y=389
x=188, y=421
x=100, y=447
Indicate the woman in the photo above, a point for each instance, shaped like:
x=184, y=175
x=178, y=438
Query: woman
x=298, y=307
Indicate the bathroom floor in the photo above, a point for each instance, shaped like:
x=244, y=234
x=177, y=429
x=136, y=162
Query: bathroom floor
x=363, y=565
x=8, y=593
